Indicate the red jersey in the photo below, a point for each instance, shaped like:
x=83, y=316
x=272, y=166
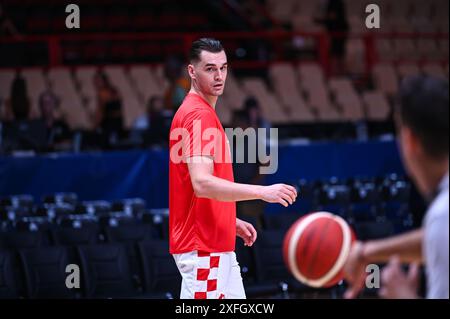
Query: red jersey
x=198, y=223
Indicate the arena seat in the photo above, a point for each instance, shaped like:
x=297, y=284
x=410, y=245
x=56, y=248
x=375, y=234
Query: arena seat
x=23, y=239
x=285, y=83
x=106, y=271
x=9, y=284
x=377, y=106
x=161, y=275
x=45, y=273
x=385, y=78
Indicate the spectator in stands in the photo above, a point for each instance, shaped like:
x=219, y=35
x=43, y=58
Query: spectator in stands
x=246, y=171
x=51, y=114
x=49, y=106
x=249, y=172
x=423, y=126
x=255, y=117
x=257, y=121
x=154, y=107
x=19, y=103
x=108, y=115
x=7, y=27
x=336, y=23
x=153, y=123
x=241, y=173
x=178, y=84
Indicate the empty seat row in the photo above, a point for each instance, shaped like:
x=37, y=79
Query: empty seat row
x=145, y=270
x=35, y=233
x=93, y=271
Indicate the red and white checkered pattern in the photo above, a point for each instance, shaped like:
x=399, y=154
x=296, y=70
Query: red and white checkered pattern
x=208, y=266
x=209, y=275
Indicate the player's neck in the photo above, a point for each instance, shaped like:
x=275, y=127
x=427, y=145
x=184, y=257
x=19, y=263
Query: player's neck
x=439, y=171
x=212, y=100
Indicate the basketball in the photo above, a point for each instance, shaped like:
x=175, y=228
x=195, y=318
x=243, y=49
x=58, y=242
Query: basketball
x=316, y=247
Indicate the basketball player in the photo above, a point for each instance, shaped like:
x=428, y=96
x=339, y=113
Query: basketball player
x=423, y=127
x=202, y=193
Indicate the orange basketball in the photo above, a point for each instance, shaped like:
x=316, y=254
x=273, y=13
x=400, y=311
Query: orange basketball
x=316, y=247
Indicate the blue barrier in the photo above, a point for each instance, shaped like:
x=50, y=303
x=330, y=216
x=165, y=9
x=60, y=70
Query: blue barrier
x=342, y=160
x=144, y=173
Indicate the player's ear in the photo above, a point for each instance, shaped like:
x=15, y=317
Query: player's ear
x=409, y=141
x=191, y=71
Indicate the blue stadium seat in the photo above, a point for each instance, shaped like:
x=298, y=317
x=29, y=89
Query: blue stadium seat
x=334, y=197
x=160, y=273
x=159, y=221
x=23, y=239
x=61, y=198
x=45, y=273
x=9, y=286
x=246, y=259
x=274, y=279
x=106, y=271
x=54, y=211
x=306, y=196
x=132, y=206
x=18, y=201
x=130, y=235
x=97, y=208
x=281, y=221
x=373, y=230
x=78, y=234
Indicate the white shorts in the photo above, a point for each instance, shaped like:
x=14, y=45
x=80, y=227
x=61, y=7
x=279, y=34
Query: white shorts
x=210, y=275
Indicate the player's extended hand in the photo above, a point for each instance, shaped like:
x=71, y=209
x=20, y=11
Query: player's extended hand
x=397, y=284
x=355, y=270
x=279, y=193
x=246, y=231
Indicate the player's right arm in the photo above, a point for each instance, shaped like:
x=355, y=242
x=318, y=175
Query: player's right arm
x=407, y=247
x=206, y=185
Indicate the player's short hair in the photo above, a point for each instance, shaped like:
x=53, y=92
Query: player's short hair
x=204, y=44
x=424, y=109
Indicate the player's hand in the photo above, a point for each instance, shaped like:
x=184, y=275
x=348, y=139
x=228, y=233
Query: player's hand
x=246, y=231
x=355, y=270
x=397, y=284
x=279, y=193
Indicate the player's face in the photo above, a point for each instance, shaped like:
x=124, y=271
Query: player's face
x=210, y=72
